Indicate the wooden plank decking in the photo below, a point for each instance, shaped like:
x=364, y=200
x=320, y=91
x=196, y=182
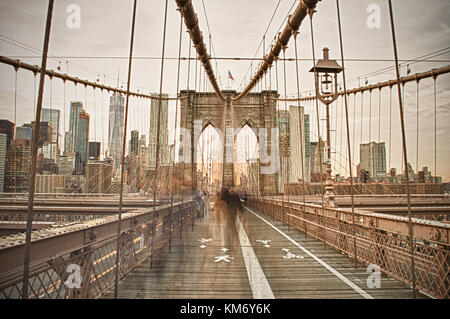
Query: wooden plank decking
x=189, y=271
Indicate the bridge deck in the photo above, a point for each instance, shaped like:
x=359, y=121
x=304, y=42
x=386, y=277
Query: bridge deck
x=254, y=270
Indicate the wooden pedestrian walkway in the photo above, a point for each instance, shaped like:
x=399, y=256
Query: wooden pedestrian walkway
x=239, y=253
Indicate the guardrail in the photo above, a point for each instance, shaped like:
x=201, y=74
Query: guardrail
x=379, y=239
x=77, y=260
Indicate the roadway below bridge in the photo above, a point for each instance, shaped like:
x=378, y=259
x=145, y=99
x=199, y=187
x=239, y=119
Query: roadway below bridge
x=235, y=252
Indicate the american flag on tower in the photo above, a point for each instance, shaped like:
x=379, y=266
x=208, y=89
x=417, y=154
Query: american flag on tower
x=230, y=76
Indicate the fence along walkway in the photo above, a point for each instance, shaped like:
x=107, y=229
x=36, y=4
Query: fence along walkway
x=379, y=240
x=265, y=260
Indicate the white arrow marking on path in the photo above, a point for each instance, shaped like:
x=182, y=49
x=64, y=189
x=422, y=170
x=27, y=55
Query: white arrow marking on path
x=225, y=258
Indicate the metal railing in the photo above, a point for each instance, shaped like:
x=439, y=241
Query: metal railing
x=380, y=240
x=88, y=270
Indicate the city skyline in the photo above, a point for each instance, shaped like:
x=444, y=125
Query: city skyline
x=139, y=109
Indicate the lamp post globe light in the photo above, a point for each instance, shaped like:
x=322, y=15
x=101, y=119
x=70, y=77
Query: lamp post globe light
x=325, y=78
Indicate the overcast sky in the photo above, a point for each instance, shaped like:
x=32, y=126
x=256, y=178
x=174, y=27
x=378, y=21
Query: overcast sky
x=237, y=28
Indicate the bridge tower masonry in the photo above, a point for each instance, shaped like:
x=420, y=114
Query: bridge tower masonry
x=257, y=110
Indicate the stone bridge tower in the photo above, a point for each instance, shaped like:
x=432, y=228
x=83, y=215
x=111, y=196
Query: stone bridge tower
x=257, y=110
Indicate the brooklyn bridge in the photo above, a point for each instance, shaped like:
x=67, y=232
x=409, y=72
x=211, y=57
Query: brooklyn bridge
x=315, y=177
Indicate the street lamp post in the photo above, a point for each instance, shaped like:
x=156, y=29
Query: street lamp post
x=325, y=78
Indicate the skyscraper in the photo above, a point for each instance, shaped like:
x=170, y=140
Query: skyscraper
x=373, y=160
x=52, y=116
x=297, y=143
x=81, y=143
x=7, y=127
x=94, y=150
x=284, y=148
x=163, y=135
x=17, y=167
x=23, y=133
x=70, y=137
x=45, y=132
x=316, y=157
x=116, y=124
x=134, y=143
x=76, y=139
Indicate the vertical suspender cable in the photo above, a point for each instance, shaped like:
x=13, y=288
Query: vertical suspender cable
x=175, y=130
x=194, y=115
x=417, y=126
x=341, y=153
x=348, y=132
x=158, y=127
x=370, y=115
x=379, y=114
x=34, y=94
x=16, y=69
x=390, y=124
x=301, y=127
x=64, y=110
x=188, y=99
x=354, y=124
x=95, y=117
x=311, y=12
x=286, y=169
x=26, y=263
x=335, y=134
x=405, y=158
x=119, y=218
x=435, y=126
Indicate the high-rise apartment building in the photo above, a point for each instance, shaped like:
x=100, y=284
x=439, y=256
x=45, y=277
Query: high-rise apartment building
x=70, y=137
x=52, y=116
x=7, y=127
x=163, y=135
x=94, y=151
x=134, y=143
x=116, y=125
x=17, y=166
x=99, y=176
x=81, y=143
x=297, y=144
x=373, y=160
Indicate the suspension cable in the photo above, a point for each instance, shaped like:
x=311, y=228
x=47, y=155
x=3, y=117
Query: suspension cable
x=348, y=130
x=33, y=68
x=175, y=131
x=405, y=157
x=155, y=189
x=310, y=13
x=390, y=124
x=301, y=127
x=435, y=125
x=417, y=126
x=370, y=115
x=124, y=141
x=379, y=115
x=34, y=149
x=16, y=69
x=405, y=79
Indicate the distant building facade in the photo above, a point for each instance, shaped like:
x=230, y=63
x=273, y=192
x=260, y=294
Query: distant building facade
x=373, y=160
x=116, y=126
x=17, y=166
x=163, y=132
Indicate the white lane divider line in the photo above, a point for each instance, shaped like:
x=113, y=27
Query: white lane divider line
x=320, y=261
x=258, y=281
